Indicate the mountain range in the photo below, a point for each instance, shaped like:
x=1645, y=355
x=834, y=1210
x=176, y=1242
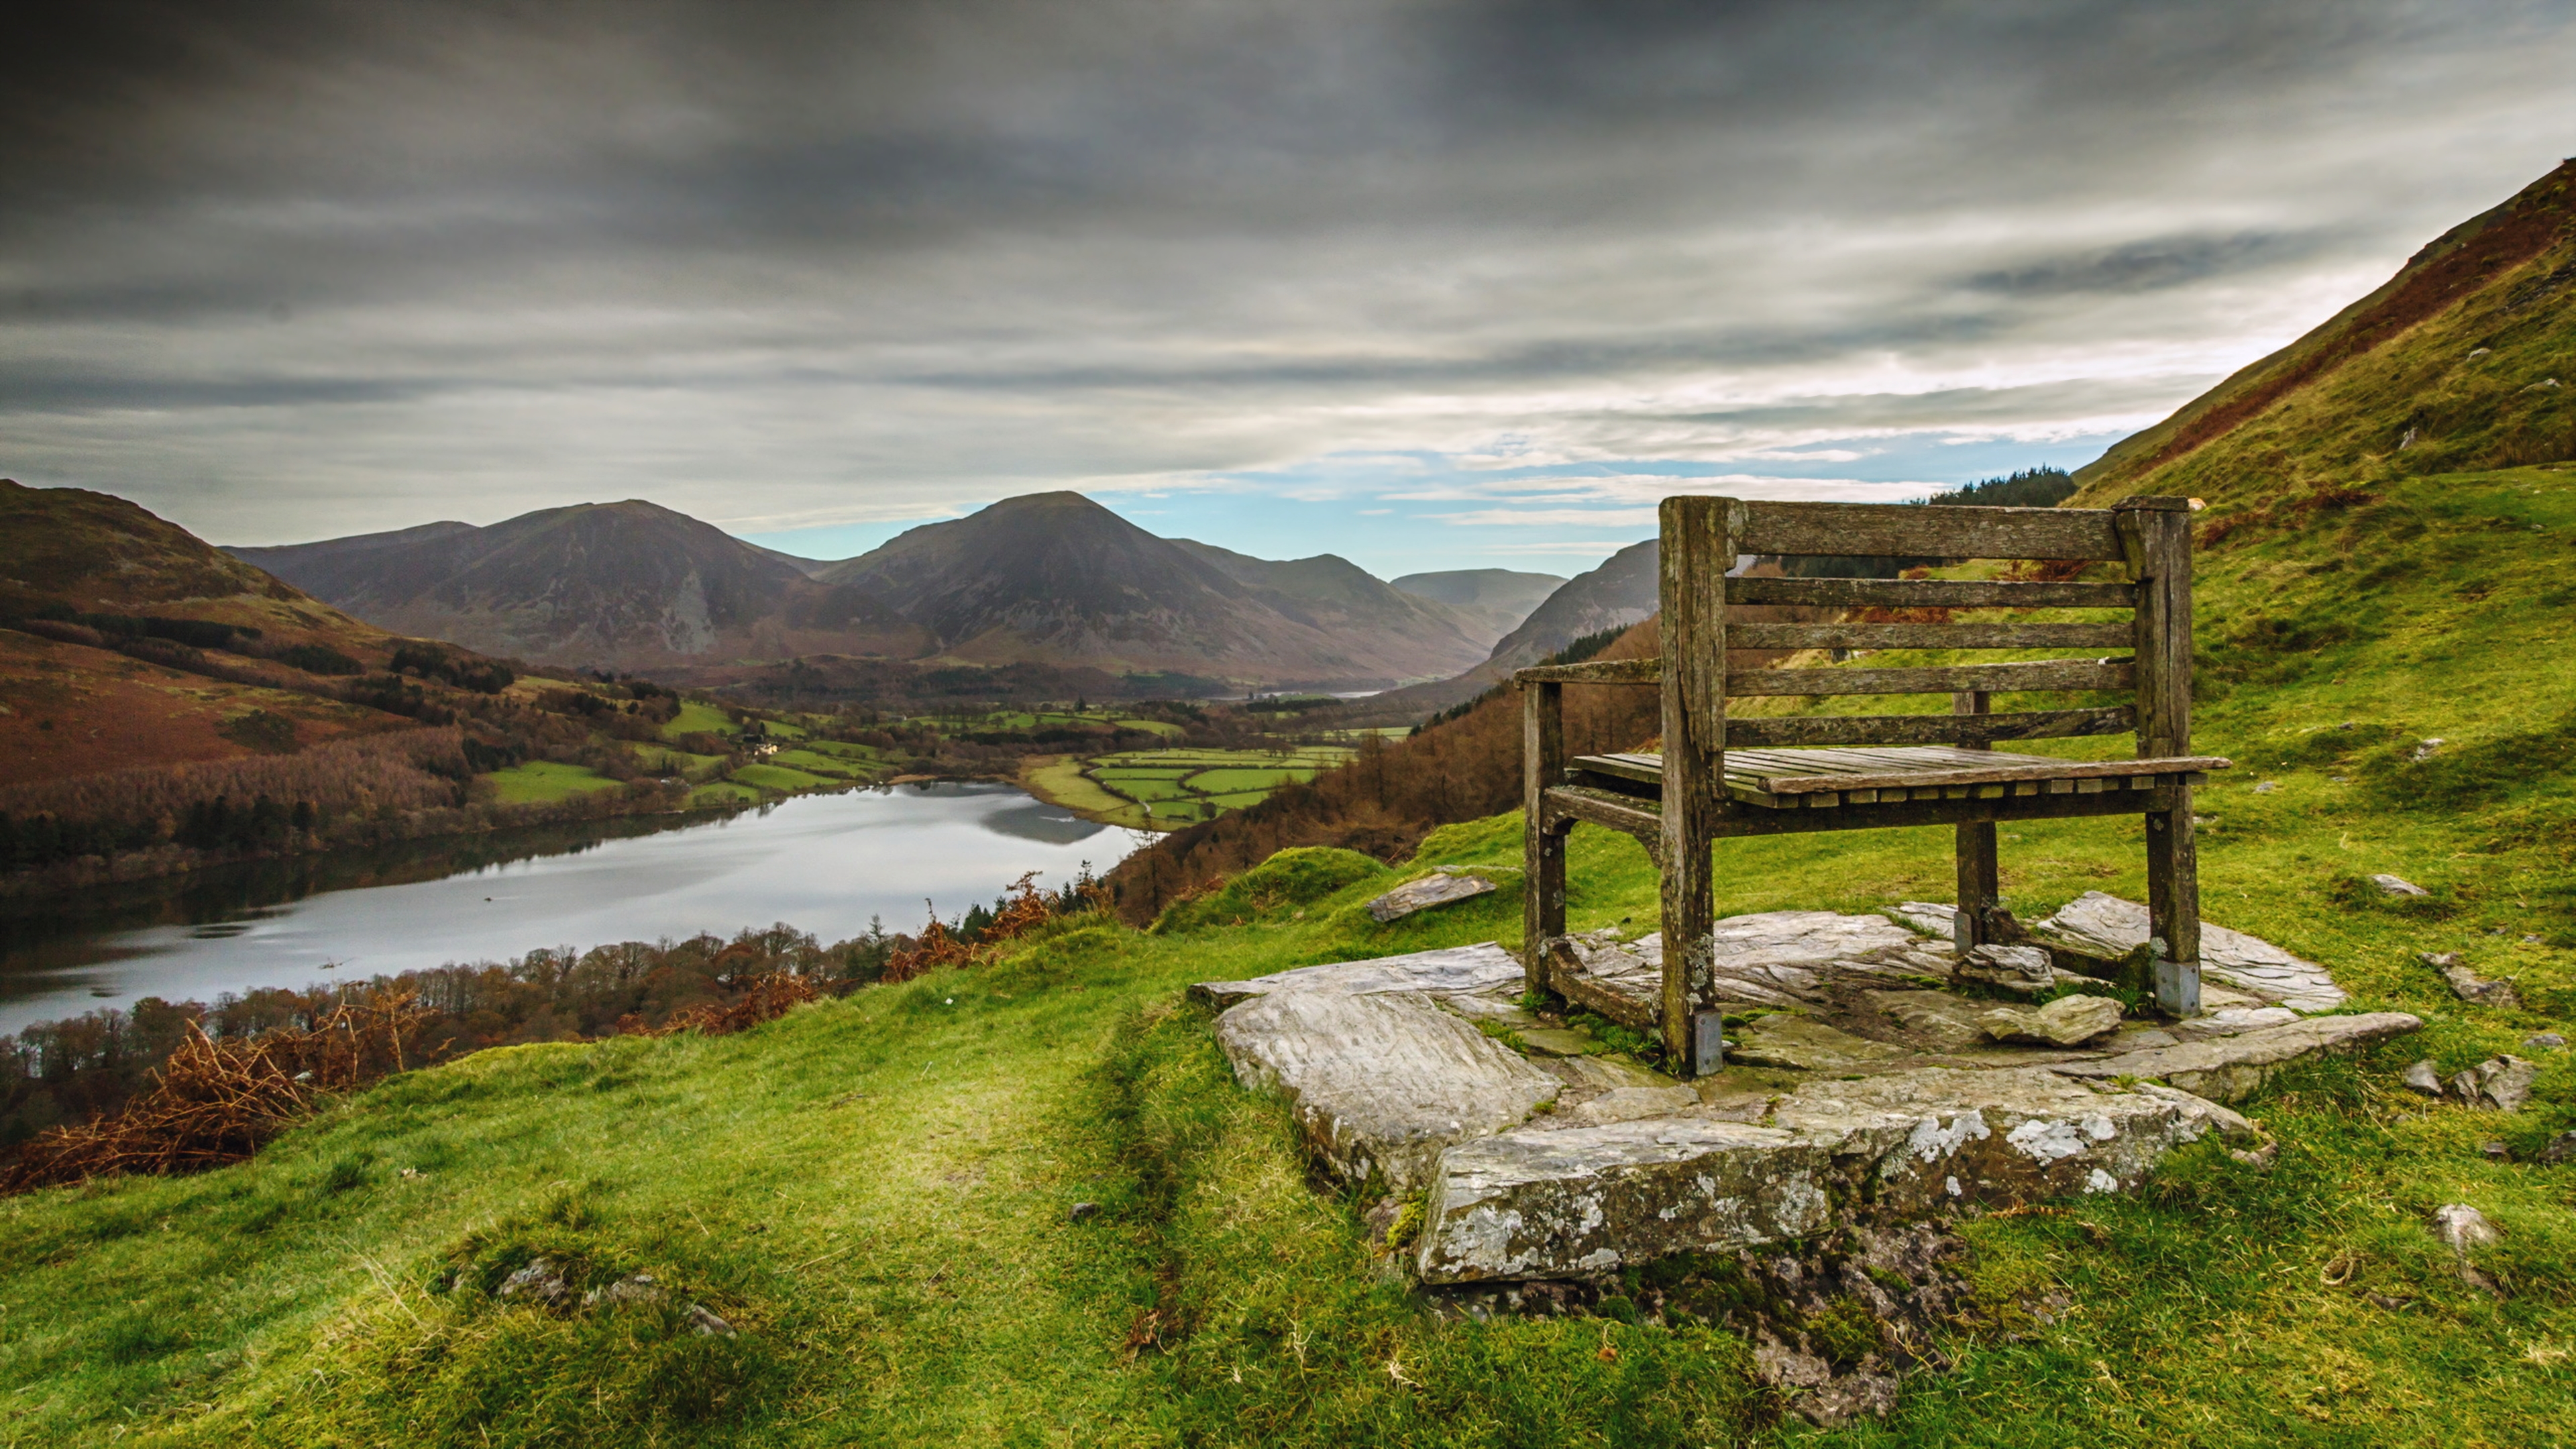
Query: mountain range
x=1050, y=578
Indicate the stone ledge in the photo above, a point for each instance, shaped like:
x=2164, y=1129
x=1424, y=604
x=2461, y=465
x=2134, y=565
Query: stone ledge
x=1571, y=1203
x=1482, y=969
x=2227, y=1069
x=1380, y=1082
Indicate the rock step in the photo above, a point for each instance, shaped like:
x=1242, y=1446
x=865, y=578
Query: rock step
x=1588, y=1200
x=1381, y=1082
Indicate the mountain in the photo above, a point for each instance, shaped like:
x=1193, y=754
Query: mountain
x=630, y=585
x=127, y=641
x=1330, y=592
x=1056, y=578
x=1622, y=591
x=2464, y=360
x=1495, y=601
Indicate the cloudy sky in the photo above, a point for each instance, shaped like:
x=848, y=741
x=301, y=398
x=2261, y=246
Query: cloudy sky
x=1436, y=284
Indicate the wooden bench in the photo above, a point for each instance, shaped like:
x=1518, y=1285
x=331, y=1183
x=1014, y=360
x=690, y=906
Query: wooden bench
x=1765, y=775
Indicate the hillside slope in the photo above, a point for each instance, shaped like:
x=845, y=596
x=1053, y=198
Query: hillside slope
x=630, y=586
x=1330, y=593
x=125, y=642
x=1495, y=600
x=2466, y=359
x=1056, y=578
x=879, y=1192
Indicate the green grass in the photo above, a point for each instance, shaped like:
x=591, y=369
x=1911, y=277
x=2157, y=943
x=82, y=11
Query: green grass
x=696, y=716
x=877, y=1189
x=544, y=781
x=815, y=762
x=725, y=792
x=780, y=777
x=1231, y=781
x=661, y=758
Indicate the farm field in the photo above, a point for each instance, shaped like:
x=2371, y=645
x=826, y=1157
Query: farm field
x=697, y=716
x=1025, y=719
x=544, y=781
x=1167, y=789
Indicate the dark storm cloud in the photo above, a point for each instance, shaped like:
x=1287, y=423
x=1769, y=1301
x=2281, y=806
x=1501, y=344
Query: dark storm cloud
x=285, y=269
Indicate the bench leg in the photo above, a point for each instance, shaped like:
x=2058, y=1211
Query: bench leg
x=2173, y=904
x=1542, y=901
x=1690, y=949
x=1979, y=887
x=1542, y=848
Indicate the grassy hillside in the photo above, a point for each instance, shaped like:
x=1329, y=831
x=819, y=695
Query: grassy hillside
x=2466, y=359
x=877, y=1191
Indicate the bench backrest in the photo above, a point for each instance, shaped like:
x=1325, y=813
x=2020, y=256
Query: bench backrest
x=1704, y=539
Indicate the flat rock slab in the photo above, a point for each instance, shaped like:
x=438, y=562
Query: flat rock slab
x=1421, y=895
x=2107, y=928
x=2227, y=1068
x=1381, y=1082
x=1484, y=969
x=1588, y=1200
x=1774, y=958
x=1805, y=1044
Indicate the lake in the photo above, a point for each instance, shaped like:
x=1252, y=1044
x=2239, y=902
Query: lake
x=825, y=864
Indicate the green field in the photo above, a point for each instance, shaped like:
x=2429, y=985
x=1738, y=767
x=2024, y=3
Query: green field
x=663, y=759
x=697, y=717
x=1172, y=788
x=725, y=792
x=815, y=762
x=541, y=782
x=779, y=777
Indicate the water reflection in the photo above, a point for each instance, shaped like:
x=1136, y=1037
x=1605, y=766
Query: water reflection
x=822, y=863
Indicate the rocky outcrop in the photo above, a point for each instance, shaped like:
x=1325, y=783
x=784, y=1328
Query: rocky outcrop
x=2067, y=1021
x=2226, y=1069
x=2104, y=929
x=1478, y=970
x=1438, y=889
x=1540, y=1204
x=1380, y=1083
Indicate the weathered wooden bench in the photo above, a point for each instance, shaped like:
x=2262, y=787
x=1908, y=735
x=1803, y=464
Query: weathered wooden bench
x=1719, y=777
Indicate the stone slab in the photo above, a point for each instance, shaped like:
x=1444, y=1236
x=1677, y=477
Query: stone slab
x=1381, y=1082
x=1590, y=1200
x=1805, y=1044
x=1421, y=895
x=2228, y=1068
x=1942, y=1021
x=2067, y=1021
x=2107, y=928
x=1558, y=1041
x=1775, y=958
x=1484, y=969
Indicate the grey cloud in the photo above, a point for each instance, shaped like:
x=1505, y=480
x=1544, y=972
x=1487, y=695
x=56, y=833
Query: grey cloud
x=908, y=255
x=2154, y=263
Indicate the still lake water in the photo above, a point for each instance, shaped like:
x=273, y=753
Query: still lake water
x=825, y=864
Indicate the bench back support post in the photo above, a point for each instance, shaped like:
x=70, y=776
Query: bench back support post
x=1697, y=551
x=1543, y=845
x=1980, y=872
x=2156, y=534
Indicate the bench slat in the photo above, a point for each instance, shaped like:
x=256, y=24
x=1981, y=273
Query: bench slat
x=1597, y=671
x=1876, y=530
x=1929, y=594
x=1914, y=729
x=1798, y=772
x=1928, y=636
x=2047, y=674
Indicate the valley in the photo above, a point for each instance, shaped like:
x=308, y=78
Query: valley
x=999, y=1180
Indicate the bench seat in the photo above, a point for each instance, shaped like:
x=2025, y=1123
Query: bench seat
x=1795, y=779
